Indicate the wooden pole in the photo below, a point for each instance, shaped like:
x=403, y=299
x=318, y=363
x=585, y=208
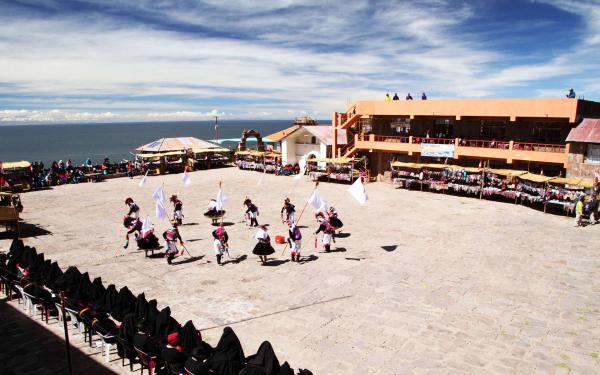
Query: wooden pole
x=64, y=319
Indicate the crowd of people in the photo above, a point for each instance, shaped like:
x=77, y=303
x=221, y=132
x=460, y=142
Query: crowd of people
x=66, y=172
x=327, y=218
x=141, y=332
x=388, y=98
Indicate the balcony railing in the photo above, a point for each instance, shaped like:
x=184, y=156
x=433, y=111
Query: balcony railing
x=539, y=147
x=476, y=143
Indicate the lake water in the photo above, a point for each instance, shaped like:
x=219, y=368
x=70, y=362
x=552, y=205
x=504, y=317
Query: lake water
x=116, y=141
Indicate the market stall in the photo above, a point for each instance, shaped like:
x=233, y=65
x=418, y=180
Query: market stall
x=419, y=175
x=16, y=176
x=335, y=169
x=162, y=162
x=206, y=158
x=562, y=193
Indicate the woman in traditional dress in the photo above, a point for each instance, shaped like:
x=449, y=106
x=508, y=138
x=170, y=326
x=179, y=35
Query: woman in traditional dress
x=177, y=209
x=263, y=247
x=171, y=236
x=334, y=221
x=251, y=212
x=212, y=212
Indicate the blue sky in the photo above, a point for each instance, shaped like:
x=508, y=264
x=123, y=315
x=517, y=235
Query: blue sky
x=151, y=60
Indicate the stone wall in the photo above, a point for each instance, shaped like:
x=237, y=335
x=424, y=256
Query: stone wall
x=577, y=167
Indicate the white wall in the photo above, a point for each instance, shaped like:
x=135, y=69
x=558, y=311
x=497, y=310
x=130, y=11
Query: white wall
x=291, y=152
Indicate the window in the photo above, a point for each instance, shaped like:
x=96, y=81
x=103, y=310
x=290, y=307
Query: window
x=313, y=140
x=592, y=154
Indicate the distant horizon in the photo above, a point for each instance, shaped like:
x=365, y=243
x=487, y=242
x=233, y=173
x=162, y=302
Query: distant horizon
x=132, y=122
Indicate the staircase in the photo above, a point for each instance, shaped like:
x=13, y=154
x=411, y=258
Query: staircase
x=349, y=121
x=348, y=150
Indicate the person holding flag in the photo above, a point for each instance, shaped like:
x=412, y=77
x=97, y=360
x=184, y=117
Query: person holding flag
x=171, y=236
x=177, y=209
x=295, y=240
x=219, y=247
x=147, y=240
x=328, y=233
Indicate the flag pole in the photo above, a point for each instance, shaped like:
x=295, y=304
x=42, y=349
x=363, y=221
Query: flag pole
x=300, y=217
x=64, y=319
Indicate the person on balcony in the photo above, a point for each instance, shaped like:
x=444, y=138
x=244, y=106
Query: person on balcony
x=423, y=96
x=396, y=96
x=409, y=97
x=571, y=94
x=387, y=97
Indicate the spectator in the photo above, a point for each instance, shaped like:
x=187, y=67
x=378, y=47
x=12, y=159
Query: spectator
x=579, y=211
x=387, y=97
x=423, y=96
x=409, y=97
x=571, y=94
x=396, y=96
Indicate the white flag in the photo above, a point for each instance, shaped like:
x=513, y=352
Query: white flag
x=186, y=179
x=316, y=200
x=302, y=165
x=221, y=198
x=159, y=195
x=146, y=226
x=161, y=213
x=144, y=179
x=357, y=190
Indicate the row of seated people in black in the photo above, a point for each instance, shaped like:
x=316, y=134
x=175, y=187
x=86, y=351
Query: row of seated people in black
x=135, y=323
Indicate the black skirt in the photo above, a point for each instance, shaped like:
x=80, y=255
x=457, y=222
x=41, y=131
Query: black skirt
x=263, y=248
x=336, y=223
x=214, y=213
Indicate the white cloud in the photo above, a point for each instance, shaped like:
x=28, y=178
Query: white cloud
x=262, y=59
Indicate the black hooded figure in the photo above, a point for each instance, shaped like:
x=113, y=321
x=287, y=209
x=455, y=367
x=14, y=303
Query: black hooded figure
x=150, y=316
x=108, y=300
x=165, y=325
x=141, y=306
x=54, y=273
x=264, y=362
x=188, y=338
x=68, y=282
x=285, y=369
x=125, y=304
x=84, y=288
x=16, y=249
x=29, y=257
x=228, y=356
x=126, y=332
x=97, y=290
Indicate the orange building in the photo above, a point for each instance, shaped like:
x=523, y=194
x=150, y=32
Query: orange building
x=527, y=134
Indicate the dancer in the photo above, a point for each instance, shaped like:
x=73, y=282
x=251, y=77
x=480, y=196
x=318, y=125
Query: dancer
x=218, y=247
x=295, y=240
x=335, y=222
x=177, y=209
x=134, y=209
x=171, y=236
x=220, y=232
x=328, y=232
x=289, y=210
x=133, y=225
x=212, y=212
x=263, y=247
x=251, y=212
x=147, y=240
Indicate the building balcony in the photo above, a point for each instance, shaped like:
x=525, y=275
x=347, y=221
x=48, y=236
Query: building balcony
x=467, y=148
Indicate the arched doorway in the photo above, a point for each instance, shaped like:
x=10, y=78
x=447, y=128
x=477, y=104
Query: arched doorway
x=260, y=145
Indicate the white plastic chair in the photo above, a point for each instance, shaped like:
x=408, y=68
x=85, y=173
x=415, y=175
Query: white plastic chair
x=75, y=319
x=32, y=307
x=20, y=289
x=106, y=343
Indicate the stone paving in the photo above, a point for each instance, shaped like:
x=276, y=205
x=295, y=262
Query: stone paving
x=424, y=283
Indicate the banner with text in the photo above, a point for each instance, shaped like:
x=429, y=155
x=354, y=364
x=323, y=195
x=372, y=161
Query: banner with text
x=437, y=150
